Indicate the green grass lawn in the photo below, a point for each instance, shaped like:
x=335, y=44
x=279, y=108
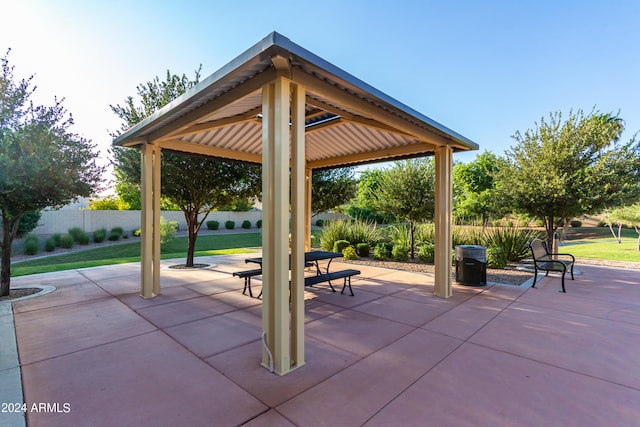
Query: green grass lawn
x=206, y=245
x=596, y=243
x=603, y=248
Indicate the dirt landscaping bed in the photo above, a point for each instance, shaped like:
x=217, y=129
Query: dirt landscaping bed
x=509, y=276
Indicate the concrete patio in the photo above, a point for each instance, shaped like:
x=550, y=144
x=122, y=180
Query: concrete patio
x=392, y=355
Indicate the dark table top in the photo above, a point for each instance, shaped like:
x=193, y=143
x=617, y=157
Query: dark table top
x=311, y=256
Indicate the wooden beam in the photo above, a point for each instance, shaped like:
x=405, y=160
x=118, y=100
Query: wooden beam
x=216, y=124
x=387, y=153
x=246, y=88
x=207, y=150
x=323, y=125
x=348, y=117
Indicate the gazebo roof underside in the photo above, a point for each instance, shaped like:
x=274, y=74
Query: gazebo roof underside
x=347, y=121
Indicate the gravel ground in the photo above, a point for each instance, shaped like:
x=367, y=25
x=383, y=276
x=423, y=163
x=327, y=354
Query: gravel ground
x=509, y=276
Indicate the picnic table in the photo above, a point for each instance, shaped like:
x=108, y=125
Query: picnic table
x=311, y=258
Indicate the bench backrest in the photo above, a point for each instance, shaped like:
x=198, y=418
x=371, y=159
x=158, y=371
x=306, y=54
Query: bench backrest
x=539, y=250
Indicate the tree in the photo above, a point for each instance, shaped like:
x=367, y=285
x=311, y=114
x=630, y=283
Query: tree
x=475, y=196
x=407, y=190
x=363, y=205
x=331, y=188
x=42, y=163
x=565, y=169
x=196, y=184
x=624, y=215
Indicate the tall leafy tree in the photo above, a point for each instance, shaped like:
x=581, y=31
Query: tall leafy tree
x=568, y=168
x=331, y=188
x=363, y=205
x=196, y=184
x=42, y=163
x=475, y=196
x=407, y=190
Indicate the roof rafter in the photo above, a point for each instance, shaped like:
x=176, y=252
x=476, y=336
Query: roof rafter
x=215, y=124
x=191, y=118
x=366, y=109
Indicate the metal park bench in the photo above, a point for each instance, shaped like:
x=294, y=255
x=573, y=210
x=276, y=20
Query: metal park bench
x=545, y=261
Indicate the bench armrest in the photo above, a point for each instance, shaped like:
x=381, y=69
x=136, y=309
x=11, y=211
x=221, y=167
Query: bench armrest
x=567, y=255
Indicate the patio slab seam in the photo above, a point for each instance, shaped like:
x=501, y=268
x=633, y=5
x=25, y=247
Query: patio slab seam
x=542, y=362
x=57, y=356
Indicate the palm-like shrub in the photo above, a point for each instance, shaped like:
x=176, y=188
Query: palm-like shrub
x=355, y=232
x=514, y=241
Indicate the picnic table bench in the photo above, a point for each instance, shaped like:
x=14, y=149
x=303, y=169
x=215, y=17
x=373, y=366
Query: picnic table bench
x=544, y=260
x=247, y=275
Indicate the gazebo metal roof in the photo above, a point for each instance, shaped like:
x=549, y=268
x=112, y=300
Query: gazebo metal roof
x=347, y=121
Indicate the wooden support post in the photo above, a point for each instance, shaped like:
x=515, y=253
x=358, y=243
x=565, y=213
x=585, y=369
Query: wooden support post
x=150, y=221
x=298, y=224
x=443, y=222
x=275, y=233
x=146, y=222
x=156, y=220
x=307, y=209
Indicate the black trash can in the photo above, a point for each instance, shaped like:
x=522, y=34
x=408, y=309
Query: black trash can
x=471, y=265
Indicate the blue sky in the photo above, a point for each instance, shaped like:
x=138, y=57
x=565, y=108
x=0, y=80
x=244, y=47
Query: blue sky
x=484, y=69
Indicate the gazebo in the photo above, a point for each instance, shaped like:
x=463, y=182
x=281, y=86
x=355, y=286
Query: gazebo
x=280, y=105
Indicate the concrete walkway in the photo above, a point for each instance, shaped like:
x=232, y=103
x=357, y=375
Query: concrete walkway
x=93, y=353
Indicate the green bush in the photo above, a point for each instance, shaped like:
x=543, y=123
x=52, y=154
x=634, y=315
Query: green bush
x=496, y=258
x=66, y=241
x=99, y=235
x=114, y=235
x=602, y=223
x=353, y=231
x=230, y=225
x=340, y=245
x=427, y=253
x=137, y=232
x=76, y=232
x=362, y=249
x=259, y=223
x=118, y=230
x=320, y=223
x=382, y=251
x=50, y=244
x=167, y=230
x=349, y=253
x=246, y=224
x=425, y=233
x=83, y=238
x=31, y=244
x=400, y=253
x=213, y=225
x=57, y=238
x=576, y=223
